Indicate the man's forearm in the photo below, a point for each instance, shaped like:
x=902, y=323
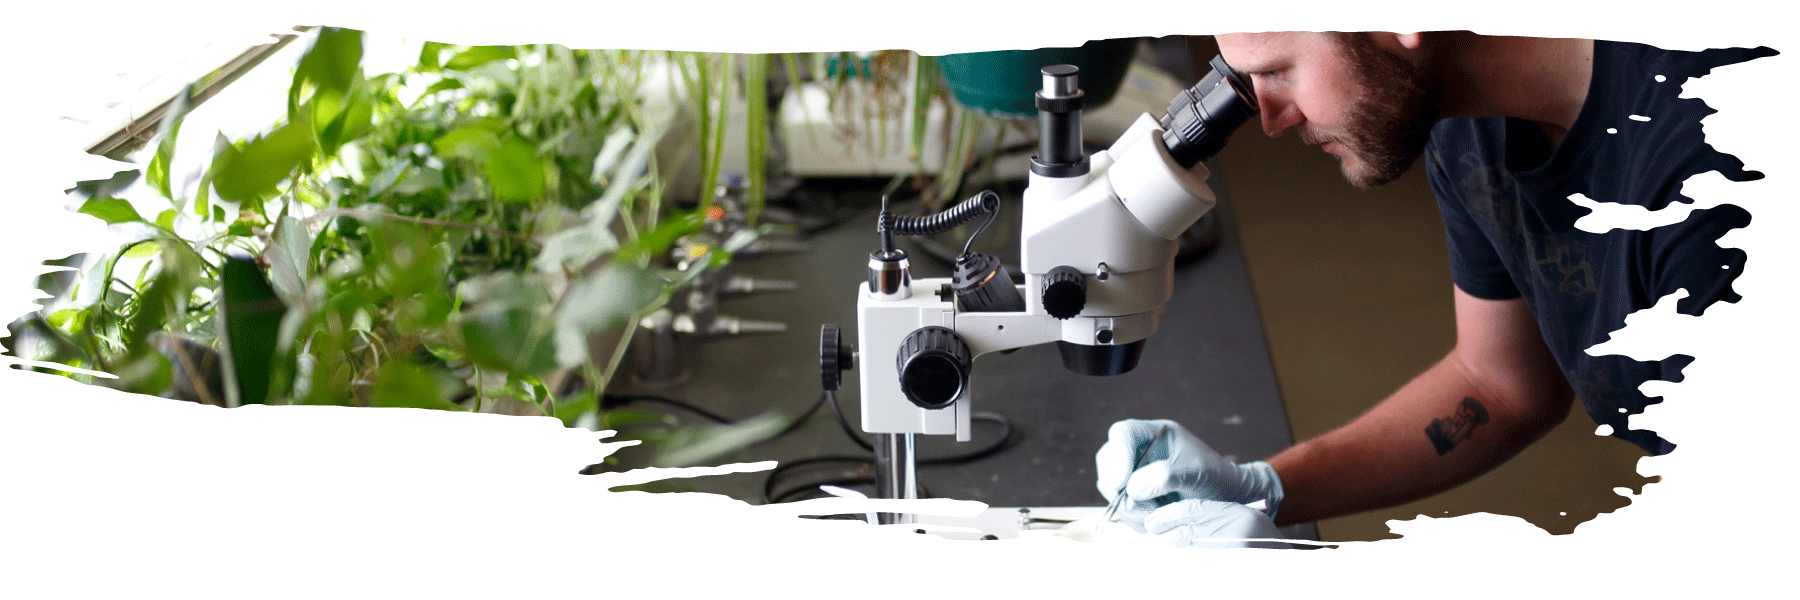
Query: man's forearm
x=1438, y=431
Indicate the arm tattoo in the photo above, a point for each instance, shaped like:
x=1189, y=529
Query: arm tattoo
x=1447, y=432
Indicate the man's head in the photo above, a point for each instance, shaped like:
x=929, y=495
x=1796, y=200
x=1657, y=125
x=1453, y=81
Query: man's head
x=1368, y=99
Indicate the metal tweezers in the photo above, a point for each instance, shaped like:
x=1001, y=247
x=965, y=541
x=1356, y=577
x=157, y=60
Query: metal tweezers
x=1112, y=510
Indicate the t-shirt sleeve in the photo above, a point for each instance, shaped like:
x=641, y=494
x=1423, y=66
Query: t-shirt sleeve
x=1474, y=264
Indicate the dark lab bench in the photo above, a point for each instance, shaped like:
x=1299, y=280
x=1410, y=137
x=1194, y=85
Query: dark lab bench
x=1207, y=367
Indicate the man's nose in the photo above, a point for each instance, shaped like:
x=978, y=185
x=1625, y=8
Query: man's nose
x=1277, y=116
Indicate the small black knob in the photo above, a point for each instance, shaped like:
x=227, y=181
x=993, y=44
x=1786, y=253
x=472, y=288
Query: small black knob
x=1065, y=292
x=934, y=367
x=834, y=357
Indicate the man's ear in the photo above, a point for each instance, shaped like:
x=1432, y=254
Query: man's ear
x=1398, y=43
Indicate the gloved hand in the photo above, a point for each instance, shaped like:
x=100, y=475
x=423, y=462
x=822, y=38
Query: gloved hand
x=1212, y=524
x=1177, y=467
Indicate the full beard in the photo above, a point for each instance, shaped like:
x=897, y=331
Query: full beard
x=1392, y=116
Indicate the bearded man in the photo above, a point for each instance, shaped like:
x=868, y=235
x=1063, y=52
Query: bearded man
x=1515, y=131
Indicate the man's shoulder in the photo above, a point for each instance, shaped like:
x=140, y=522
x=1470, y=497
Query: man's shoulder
x=1462, y=141
x=1672, y=65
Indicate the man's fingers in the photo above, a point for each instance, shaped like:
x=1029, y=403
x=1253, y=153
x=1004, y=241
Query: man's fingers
x=1111, y=465
x=1150, y=481
x=1194, y=522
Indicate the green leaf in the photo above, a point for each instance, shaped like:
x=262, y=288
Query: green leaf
x=625, y=179
x=111, y=210
x=571, y=408
x=253, y=172
x=144, y=249
x=389, y=176
x=143, y=372
x=515, y=172
x=514, y=340
x=430, y=57
x=691, y=446
x=203, y=197
x=72, y=317
x=342, y=122
x=421, y=181
x=401, y=384
x=166, y=219
x=158, y=172
x=504, y=325
x=443, y=352
x=610, y=151
x=330, y=64
x=479, y=55
x=446, y=83
x=289, y=258
x=575, y=247
x=469, y=141
x=657, y=242
x=598, y=302
x=252, y=314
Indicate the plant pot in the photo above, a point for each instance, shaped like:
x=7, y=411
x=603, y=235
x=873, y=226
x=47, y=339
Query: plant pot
x=1004, y=83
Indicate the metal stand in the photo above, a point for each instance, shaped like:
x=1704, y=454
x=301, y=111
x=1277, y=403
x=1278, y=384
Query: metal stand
x=894, y=473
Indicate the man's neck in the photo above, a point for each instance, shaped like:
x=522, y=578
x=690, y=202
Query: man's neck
x=1544, y=80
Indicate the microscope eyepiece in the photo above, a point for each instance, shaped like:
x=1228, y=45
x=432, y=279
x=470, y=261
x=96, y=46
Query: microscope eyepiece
x=1059, y=106
x=1201, y=118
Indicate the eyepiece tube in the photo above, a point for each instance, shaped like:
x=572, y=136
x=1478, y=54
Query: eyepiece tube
x=1059, y=124
x=1201, y=118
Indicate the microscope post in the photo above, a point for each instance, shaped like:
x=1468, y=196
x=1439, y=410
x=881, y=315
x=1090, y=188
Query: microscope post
x=895, y=474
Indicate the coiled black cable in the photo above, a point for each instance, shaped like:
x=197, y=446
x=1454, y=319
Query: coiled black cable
x=983, y=203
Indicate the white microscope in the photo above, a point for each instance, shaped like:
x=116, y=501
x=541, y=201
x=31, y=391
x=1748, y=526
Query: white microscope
x=1097, y=249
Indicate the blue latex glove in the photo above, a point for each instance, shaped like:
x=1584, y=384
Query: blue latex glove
x=1177, y=467
x=1213, y=524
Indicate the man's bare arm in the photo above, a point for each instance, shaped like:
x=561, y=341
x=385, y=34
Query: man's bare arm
x=1497, y=391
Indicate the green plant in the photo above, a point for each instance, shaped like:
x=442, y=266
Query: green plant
x=478, y=231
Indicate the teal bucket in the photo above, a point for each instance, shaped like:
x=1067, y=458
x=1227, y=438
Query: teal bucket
x=1004, y=83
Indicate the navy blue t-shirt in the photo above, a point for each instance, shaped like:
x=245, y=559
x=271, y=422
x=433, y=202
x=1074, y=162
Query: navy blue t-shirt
x=1504, y=195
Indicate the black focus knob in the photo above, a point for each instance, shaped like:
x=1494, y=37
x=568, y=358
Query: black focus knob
x=1065, y=292
x=934, y=367
x=834, y=357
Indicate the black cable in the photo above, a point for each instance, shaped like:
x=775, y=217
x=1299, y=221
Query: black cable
x=612, y=400
x=796, y=425
x=845, y=423
x=1006, y=435
x=770, y=496
x=985, y=202
x=813, y=488
x=984, y=225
